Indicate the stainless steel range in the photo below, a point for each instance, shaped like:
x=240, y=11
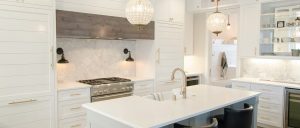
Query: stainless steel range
x=109, y=88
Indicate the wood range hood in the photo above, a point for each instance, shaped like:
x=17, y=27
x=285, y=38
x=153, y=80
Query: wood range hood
x=92, y=26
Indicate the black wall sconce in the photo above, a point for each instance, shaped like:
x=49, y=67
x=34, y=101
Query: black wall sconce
x=60, y=51
x=126, y=51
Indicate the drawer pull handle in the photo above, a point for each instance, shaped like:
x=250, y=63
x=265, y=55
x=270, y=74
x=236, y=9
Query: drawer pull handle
x=75, y=108
x=75, y=94
x=21, y=102
x=74, y=126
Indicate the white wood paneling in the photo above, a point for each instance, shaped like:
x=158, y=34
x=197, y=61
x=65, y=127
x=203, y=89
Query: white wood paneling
x=101, y=7
x=24, y=111
x=26, y=54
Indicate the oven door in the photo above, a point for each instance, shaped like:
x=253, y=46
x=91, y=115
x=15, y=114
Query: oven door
x=111, y=96
x=292, y=119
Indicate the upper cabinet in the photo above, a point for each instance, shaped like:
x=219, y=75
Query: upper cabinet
x=249, y=30
x=205, y=5
x=170, y=11
x=189, y=34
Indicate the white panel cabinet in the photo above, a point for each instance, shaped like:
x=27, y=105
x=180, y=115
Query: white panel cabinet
x=169, y=42
x=271, y=102
x=170, y=11
x=26, y=67
x=143, y=88
x=249, y=30
x=189, y=34
x=70, y=112
x=170, y=54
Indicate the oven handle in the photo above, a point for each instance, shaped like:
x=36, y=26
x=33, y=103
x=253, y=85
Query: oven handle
x=192, y=79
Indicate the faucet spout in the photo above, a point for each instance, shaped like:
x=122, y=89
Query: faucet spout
x=183, y=87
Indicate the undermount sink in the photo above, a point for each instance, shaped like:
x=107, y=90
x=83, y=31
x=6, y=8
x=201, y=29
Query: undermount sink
x=168, y=95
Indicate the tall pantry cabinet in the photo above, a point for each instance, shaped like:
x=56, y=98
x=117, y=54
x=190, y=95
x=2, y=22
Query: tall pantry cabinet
x=27, y=88
x=169, y=42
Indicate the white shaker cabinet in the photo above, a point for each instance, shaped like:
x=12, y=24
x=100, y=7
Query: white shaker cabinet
x=169, y=42
x=169, y=54
x=143, y=88
x=271, y=103
x=26, y=66
x=189, y=33
x=70, y=112
x=249, y=30
x=170, y=11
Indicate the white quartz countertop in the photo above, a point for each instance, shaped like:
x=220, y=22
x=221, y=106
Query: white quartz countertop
x=69, y=85
x=274, y=83
x=139, y=112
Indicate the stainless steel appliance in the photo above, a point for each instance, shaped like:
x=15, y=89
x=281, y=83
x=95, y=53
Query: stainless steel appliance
x=109, y=88
x=193, y=80
x=292, y=108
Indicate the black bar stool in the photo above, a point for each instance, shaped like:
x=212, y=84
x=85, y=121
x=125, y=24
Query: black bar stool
x=232, y=118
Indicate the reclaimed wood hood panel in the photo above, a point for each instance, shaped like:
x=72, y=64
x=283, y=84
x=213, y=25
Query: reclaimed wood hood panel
x=92, y=26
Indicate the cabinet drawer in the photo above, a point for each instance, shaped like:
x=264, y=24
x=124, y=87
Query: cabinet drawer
x=77, y=122
x=74, y=94
x=269, y=107
x=241, y=85
x=71, y=108
x=24, y=111
x=268, y=89
x=270, y=118
x=271, y=98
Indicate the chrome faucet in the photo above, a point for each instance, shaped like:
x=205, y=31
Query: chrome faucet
x=183, y=87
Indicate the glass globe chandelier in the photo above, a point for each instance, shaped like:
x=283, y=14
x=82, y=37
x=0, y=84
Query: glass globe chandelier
x=216, y=22
x=139, y=12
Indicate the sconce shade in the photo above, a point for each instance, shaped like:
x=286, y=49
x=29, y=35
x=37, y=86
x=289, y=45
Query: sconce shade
x=63, y=60
x=126, y=51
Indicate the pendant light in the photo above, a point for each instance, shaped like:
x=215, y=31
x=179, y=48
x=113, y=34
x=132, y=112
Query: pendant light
x=216, y=22
x=139, y=12
x=228, y=24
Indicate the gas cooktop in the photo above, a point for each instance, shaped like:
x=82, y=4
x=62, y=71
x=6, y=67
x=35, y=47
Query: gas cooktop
x=101, y=81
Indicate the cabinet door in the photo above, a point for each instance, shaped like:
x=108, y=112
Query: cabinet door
x=189, y=34
x=169, y=44
x=26, y=112
x=177, y=11
x=25, y=51
x=162, y=10
x=143, y=88
x=249, y=30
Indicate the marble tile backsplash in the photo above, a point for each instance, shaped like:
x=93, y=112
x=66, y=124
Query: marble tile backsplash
x=271, y=69
x=91, y=58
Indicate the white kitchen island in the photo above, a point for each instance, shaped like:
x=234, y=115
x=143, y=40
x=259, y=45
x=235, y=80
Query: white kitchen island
x=140, y=112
